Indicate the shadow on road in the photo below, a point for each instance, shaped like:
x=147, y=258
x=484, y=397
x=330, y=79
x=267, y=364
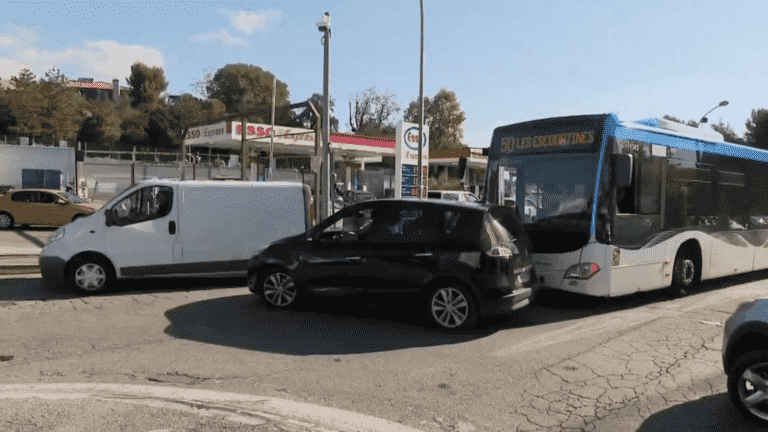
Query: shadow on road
x=34, y=288
x=553, y=306
x=710, y=413
x=326, y=326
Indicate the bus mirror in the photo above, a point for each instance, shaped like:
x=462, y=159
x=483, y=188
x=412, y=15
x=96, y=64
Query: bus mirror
x=622, y=170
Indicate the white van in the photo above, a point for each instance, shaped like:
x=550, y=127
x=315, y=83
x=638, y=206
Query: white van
x=175, y=228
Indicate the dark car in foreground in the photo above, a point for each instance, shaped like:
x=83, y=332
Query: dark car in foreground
x=745, y=359
x=457, y=262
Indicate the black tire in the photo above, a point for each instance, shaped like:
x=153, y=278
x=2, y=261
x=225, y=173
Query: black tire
x=278, y=289
x=749, y=397
x=686, y=273
x=451, y=307
x=90, y=274
x=6, y=221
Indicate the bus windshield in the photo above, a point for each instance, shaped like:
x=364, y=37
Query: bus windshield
x=556, y=186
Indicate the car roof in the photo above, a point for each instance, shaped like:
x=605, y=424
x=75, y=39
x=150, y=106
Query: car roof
x=434, y=202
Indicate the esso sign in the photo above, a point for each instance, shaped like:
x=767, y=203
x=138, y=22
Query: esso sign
x=252, y=130
x=411, y=138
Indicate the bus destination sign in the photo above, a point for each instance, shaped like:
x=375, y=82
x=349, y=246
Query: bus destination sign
x=545, y=143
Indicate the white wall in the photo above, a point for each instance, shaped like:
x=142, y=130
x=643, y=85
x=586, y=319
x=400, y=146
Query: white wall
x=14, y=158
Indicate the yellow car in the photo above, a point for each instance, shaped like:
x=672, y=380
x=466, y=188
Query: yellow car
x=40, y=207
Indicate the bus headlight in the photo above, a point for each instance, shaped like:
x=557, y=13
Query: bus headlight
x=582, y=271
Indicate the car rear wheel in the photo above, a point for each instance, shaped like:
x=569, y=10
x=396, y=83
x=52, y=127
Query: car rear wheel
x=278, y=289
x=90, y=274
x=451, y=307
x=6, y=221
x=748, y=386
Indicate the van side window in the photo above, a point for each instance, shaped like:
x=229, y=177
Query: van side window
x=145, y=204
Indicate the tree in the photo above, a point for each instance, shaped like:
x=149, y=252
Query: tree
x=146, y=86
x=306, y=118
x=64, y=108
x=373, y=113
x=101, y=127
x=201, y=86
x=26, y=105
x=445, y=118
x=247, y=90
x=729, y=135
x=692, y=123
x=756, y=133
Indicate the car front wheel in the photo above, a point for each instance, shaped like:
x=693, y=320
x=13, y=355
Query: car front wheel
x=278, y=289
x=6, y=221
x=748, y=386
x=451, y=307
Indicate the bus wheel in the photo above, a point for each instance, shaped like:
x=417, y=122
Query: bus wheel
x=685, y=274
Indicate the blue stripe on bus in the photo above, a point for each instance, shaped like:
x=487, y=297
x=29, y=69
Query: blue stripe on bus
x=719, y=148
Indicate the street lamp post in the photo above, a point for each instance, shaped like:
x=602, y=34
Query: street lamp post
x=704, y=117
x=325, y=26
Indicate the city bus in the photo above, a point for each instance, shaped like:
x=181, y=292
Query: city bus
x=615, y=207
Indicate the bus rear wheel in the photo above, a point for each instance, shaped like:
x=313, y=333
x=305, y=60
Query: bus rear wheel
x=685, y=274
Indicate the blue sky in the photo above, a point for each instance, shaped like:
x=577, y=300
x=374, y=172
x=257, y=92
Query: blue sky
x=507, y=61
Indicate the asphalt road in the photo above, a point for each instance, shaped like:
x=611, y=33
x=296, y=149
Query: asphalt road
x=640, y=363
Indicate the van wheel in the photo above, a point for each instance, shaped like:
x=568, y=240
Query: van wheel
x=90, y=274
x=685, y=274
x=452, y=307
x=6, y=221
x=278, y=289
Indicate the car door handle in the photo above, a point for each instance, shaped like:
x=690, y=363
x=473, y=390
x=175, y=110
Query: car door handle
x=423, y=254
x=354, y=259
x=172, y=227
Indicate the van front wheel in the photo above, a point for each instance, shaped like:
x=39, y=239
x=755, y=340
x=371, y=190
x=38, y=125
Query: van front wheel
x=90, y=274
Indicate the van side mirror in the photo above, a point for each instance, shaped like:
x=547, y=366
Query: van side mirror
x=111, y=219
x=622, y=165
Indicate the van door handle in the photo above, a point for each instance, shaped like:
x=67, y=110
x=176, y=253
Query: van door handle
x=172, y=227
x=354, y=259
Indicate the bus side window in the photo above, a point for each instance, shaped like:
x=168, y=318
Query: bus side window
x=624, y=179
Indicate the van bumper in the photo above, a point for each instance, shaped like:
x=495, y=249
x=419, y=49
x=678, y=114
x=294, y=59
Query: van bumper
x=52, y=269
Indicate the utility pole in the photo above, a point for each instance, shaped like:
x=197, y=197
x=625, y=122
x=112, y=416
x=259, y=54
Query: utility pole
x=420, y=175
x=272, y=131
x=325, y=27
x=242, y=149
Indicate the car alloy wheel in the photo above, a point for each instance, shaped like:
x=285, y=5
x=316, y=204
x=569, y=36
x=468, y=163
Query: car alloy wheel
x=6, y=221
x=278, y=289
x=748, y=386
x=451, y=307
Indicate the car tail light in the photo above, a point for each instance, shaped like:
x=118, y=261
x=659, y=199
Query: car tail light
x=582, y=271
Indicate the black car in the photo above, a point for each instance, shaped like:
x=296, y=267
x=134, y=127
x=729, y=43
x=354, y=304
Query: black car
x=458, y=261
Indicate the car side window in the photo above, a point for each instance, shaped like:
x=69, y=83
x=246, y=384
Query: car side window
x=145, y=204
x=404, y=225
x=22, y=197
x=350, y=228
x=47, y=198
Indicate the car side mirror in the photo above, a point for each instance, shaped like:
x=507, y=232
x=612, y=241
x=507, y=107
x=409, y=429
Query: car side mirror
x=61, y=202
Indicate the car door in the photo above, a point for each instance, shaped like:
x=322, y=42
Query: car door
x=334, y=259
x=141, y=240
x=52, y=209
x=21, y=206
x=400, y=244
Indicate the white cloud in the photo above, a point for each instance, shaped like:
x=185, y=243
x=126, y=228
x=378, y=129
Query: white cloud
x=223, y=36
x=101, y=60
x=250, y=22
